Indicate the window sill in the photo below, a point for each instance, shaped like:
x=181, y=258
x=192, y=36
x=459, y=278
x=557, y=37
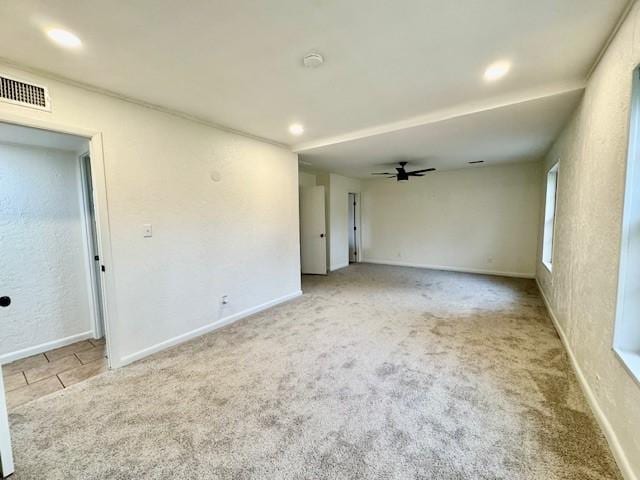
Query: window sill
x=631, y=362
x=547, y=265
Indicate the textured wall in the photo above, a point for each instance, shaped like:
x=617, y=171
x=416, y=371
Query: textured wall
x=237, y=237
x=42, y=256
x=582, y=289
x=481, y=219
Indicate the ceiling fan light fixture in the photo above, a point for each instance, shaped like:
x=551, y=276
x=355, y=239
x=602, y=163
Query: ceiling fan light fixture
x=402, y=175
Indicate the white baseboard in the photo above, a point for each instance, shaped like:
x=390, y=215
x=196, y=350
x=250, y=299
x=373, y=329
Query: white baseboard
x=204, y=329
x=610, y=434
x=44, y=347
x=450, y=269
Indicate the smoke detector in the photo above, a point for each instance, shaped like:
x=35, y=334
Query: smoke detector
x=313, y=60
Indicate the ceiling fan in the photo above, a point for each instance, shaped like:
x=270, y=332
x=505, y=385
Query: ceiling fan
x=402, y=174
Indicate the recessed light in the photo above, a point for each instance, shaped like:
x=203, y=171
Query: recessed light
x=497, y=70
x=296, y=129
x=64, y=38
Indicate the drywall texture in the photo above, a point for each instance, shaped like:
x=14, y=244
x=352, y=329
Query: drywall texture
x=237, y=236
x=482, y=219
x=42, y=255
x=582, y=288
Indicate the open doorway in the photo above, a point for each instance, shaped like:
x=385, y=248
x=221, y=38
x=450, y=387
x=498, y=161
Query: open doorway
x=354, y=227
x=52, y=312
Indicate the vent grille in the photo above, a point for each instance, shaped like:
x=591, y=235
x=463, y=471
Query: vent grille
x=22, y=93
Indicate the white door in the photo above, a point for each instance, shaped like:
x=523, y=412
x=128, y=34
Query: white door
x=6, y=456
x=313, y=241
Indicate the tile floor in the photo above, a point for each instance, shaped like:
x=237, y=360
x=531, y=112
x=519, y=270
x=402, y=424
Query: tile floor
x=33, y=377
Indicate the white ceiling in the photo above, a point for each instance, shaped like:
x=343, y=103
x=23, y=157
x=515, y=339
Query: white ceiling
x=16, y=134
x=517, y=132
x=239, y=63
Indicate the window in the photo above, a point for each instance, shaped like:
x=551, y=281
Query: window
x=549, y=216
x=627, y=332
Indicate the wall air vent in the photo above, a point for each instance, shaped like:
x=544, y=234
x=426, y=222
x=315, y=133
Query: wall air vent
x=25, y=94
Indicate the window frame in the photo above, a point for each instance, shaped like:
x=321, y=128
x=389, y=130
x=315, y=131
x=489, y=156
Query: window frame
x=626, y=333
x=550, y=203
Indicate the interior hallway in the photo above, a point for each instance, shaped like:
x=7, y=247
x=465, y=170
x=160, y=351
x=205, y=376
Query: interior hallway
x=376, y=372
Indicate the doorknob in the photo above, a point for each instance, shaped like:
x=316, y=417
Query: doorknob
x=5, y=301
x=322, y=235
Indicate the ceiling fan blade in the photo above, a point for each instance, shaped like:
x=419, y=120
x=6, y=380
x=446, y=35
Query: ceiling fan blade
x=411, y=174
x=422, y=171
x=385, y=173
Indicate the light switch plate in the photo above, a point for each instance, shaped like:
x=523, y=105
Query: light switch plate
x=147, y=231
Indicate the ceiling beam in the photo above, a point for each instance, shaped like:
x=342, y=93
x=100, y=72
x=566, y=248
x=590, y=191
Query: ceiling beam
x=450, y=113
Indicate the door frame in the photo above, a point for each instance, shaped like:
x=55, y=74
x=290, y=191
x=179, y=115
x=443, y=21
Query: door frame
x=93, y=278
x=358, y=224
x=101, y=208
x=107, y=285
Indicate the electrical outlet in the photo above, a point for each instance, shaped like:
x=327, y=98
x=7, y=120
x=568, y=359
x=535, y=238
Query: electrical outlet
x=147, y=231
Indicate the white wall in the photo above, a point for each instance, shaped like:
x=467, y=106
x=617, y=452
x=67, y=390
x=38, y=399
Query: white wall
x=42, y=255
x=582, y=288
x=306, y=179
x=339, y=189
x=481, y=219
x=237, y=237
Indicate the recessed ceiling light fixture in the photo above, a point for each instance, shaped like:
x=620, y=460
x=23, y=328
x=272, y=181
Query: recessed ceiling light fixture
x=296, y=129
x=64, y=38
x=497, y=70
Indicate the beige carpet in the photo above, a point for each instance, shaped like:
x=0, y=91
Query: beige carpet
x=376, y=372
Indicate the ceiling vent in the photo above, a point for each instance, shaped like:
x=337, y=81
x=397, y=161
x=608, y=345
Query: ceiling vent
x=23, y=93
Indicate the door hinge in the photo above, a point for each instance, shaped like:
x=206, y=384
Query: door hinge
x=102, y=268
x=96, y=258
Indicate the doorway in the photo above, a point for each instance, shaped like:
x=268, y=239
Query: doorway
x=353, y=228
x=16, y=133
x=52, y=309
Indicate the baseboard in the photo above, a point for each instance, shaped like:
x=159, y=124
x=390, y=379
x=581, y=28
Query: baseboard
x=450, y=269
x=44, y=347
x=610, y=434
x=204, y=329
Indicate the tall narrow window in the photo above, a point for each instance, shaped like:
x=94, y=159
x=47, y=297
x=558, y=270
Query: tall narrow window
x=549, y=217
x=627, y=331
